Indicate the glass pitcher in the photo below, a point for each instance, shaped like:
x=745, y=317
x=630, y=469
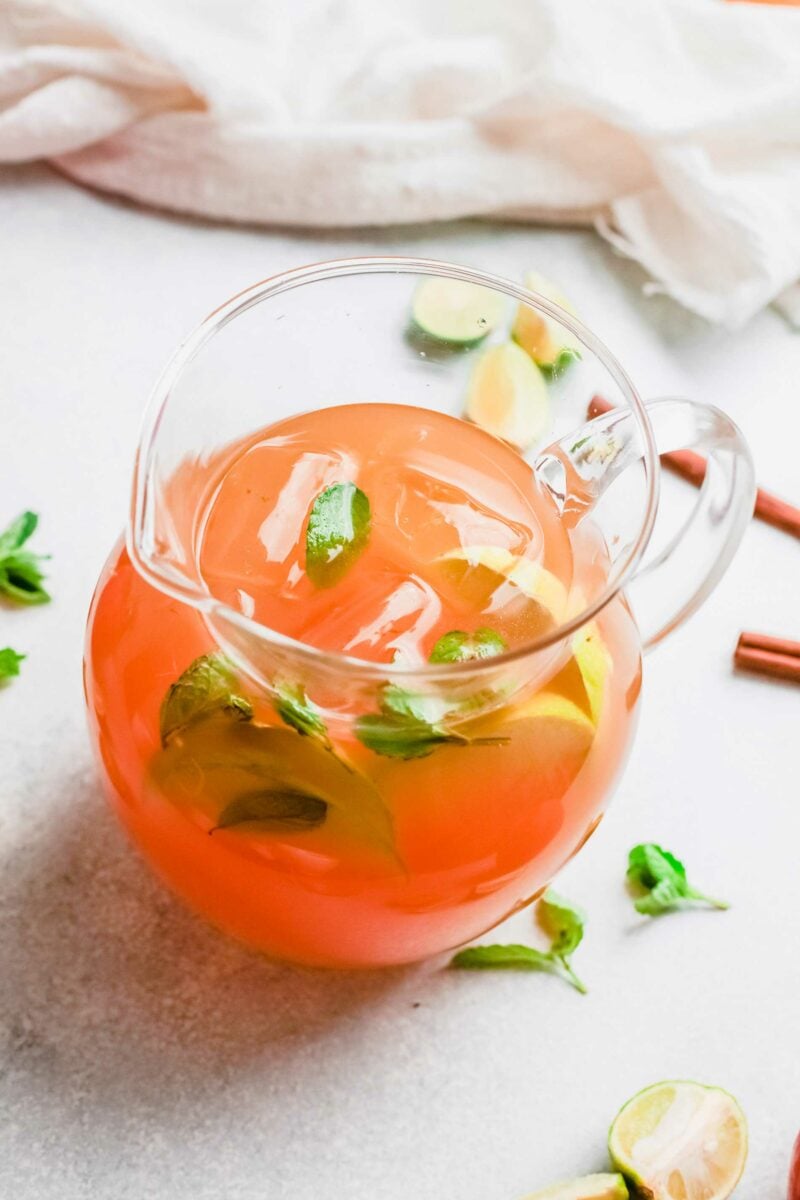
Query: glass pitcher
x=376, y=854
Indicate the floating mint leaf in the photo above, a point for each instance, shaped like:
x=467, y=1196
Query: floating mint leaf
x=278, y=810
x=206, y=687
x=421, y=706
x=9, y=663
x=659, y=881
x=396, y=736
x=458, y=646
x=20, y=574
x=563, y=923
x=295, y=709
x=338, y=530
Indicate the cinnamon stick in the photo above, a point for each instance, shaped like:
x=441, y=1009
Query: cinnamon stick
x=758, y=653
x=774, y=645
x=692, y=466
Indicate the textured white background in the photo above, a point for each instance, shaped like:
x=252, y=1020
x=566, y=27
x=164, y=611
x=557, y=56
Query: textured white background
x=141, y=1055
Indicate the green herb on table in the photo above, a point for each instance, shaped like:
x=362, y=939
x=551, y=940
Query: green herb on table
x=658, y=881
x=283, y=810
x=458, y=646
x=20, y=573
x=338, y=530
x=9, y=663
x=564, y=925
x=207, y=686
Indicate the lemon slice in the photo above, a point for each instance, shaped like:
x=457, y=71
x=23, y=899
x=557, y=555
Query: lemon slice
x=594, y=662
x=532, y=579
x=680, y=1141
x=453, y=311
x=590, y=1187
x=547, y=342
x=507, y=396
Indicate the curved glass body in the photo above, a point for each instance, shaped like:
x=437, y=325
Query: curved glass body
x=269, y=778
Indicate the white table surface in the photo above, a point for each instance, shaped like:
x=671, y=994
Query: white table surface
x=141, y=1054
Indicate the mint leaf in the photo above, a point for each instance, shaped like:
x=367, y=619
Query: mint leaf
x=206, y=687
x=20, y=574
x=564, y=924
x=9, y=663
x=17, y=533
x=273, y=810
x=338, y=530
x=564, y=359
x=296, y=710
x=562, y=921
x=410, y=726
x=458, y=646
x=508, y=958
x=658, y=879
x=395, y=735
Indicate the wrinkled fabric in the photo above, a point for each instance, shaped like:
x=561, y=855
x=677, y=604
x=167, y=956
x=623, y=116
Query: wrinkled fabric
x=673, y=125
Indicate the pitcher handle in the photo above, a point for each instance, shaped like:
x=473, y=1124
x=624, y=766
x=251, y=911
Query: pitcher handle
x=668, y=588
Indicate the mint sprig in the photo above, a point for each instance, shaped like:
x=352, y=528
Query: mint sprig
x=659, y=882
x=20, y=573
x=207, y=686
x=9, y=663
x=459, y=646
x=337, y=532
x=561, y=920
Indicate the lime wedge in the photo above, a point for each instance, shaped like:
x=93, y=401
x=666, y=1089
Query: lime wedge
x=590, y=1187
x=508, y=396
x=680, y=1141
x=548, y=342
x=453, y=311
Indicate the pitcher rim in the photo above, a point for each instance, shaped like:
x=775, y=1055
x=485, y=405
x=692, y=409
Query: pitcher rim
x=283, y=281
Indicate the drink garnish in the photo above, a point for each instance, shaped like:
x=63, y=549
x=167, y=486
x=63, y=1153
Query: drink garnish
x=658, y=879
x=337, y=532
x=678, y=1139
x=400, y=735
x=20, y=574
x=455, y=311
x=459, y=646
x=550, y=344
x=561, y=920
x=273, y=809
x=207, y=686
x=507, y=396
x=9, y=663
x=296, y=710
x=411, y=725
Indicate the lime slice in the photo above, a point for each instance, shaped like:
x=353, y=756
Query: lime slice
x=590, y=1187
x=453, y=311
x=680, y=1141
x=547, y=341
x=532, y=579
x=508, y=396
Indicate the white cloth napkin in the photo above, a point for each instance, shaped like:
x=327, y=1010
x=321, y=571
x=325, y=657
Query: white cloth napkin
x=672, y=124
